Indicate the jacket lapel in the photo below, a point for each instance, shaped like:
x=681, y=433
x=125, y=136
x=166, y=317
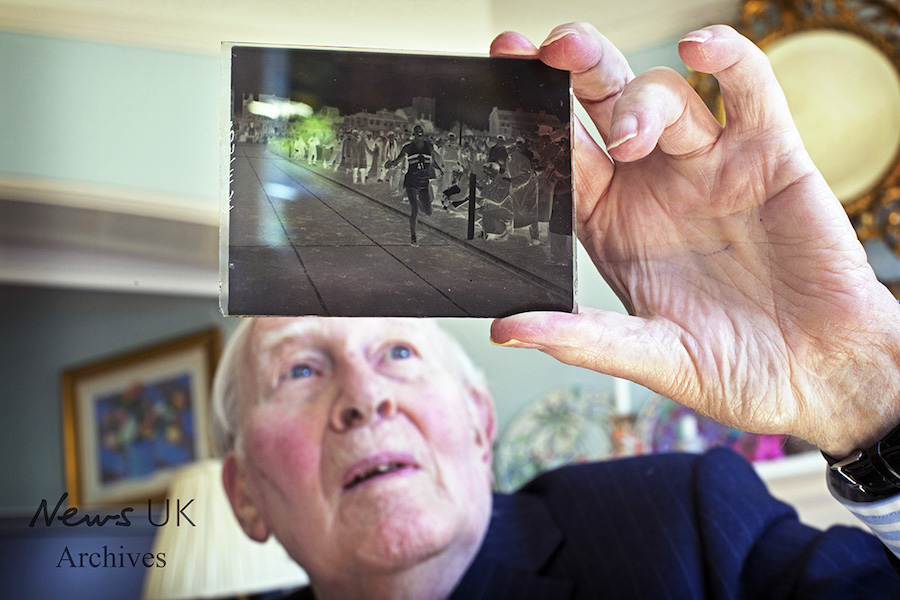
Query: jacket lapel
x=520, y=541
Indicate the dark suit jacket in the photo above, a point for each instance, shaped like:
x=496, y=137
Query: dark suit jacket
x=667, y=526
x=671, y=526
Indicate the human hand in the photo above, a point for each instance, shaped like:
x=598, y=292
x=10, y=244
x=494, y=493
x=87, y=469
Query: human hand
x=749, y=295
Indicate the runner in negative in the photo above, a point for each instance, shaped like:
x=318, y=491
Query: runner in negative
x=421, y=162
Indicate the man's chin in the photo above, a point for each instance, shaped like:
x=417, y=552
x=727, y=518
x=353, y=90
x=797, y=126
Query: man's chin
x=402, y=533
x=393, y=550
x=421, y=563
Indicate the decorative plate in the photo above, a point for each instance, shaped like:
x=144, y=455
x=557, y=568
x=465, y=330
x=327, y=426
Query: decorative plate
x=570, y=425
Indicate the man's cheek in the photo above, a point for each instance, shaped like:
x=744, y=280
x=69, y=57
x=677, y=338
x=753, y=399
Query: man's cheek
x=451, y=429
x=284, y=445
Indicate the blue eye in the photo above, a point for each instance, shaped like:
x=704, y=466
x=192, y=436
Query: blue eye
x=301, y=371
x=400, y=352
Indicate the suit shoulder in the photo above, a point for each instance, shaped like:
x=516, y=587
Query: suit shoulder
x=637, y=468
x=650, y=479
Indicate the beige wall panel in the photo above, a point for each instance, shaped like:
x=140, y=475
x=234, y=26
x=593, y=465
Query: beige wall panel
x=630, y=25
x=200, y=25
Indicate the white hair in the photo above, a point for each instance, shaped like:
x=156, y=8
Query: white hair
x=230, y=383
x=227, y=388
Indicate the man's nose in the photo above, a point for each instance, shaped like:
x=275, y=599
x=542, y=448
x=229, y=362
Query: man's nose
x=361, y=399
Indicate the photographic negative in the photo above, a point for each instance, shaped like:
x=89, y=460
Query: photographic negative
x=364, y=183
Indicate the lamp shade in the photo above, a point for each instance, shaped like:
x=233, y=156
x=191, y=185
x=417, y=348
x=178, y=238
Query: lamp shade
x=213, y=558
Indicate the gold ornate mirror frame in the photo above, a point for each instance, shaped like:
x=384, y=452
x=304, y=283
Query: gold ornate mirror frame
x=865, y=98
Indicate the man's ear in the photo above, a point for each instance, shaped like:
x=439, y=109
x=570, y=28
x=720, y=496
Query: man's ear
x=485, y=419
x=242, y=504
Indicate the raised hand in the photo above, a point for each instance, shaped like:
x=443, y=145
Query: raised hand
x=749, y=295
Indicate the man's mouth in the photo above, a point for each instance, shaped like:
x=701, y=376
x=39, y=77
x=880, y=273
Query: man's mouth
x=375, y=467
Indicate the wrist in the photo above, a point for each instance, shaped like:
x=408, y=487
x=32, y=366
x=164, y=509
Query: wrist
x=864, y=394
x=868, y=474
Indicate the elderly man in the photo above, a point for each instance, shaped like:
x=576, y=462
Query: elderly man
x=364, y=445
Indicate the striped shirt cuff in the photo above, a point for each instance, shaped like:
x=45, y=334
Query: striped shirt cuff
x=882, y=517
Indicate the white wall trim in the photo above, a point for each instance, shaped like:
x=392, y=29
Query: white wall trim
x=89, y=196
x=80, y=269
x=89, y=236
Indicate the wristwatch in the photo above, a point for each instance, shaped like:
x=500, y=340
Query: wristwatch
x=871, y=474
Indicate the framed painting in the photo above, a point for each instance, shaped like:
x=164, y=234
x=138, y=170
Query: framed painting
x=131, y=420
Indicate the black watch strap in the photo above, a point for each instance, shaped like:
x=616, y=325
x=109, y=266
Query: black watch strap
x=870, y=474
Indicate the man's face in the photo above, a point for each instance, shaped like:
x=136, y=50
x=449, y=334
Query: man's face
x=418, y=133
x=364, y=449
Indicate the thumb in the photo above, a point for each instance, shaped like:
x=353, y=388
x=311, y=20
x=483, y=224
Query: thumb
x=604, y=341
x=752, y=96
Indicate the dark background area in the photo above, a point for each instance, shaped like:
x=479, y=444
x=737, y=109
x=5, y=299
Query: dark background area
x=465, y=89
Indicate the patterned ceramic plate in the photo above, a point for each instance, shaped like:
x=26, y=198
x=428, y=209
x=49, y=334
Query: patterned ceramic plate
x=571, y=425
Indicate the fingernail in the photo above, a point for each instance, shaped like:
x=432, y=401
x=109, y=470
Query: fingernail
x=699, y=36
x=509, y=342
x=558, y=36
x=623, y=129
x=514, y=343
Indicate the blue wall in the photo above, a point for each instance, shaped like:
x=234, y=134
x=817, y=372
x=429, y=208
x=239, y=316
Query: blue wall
x=47, y=331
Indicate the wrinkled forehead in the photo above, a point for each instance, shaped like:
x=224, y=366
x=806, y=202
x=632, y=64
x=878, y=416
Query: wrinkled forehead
x=270, y=335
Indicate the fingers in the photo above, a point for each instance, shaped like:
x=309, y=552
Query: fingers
x=752, y=96
x=660, y=107
x=593, y=171
x=592, y=167
x=510, y=43
x=633, y=115
x=603, y=341
x=599, y=71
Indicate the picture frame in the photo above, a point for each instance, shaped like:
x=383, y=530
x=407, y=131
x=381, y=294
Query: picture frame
x=333, y=205
x=130, y=421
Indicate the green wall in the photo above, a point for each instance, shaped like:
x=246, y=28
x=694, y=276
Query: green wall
x=117, y=115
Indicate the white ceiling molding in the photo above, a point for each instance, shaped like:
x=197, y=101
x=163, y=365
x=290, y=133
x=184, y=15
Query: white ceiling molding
x=122, y=234
x=87, y=236
x=106, y=198
x=79, y=268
